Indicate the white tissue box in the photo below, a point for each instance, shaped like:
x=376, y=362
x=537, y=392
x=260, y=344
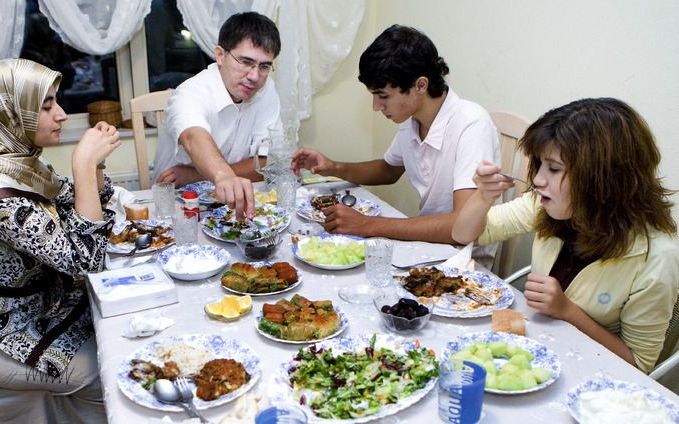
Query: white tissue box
x=124, y=290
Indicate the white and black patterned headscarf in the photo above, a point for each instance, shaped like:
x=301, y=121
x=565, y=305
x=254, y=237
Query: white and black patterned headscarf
x=23, y=87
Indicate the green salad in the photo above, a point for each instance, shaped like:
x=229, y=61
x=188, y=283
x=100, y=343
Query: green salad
x=355, y=384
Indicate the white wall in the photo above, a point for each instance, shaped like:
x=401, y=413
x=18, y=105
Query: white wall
x=526, y=56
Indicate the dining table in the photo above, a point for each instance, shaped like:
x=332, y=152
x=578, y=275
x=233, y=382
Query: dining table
x=581, y=358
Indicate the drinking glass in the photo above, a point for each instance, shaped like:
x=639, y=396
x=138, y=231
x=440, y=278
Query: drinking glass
x=461, y=388
x=378, y=255
x=286, y=192
x=163, y=198
x=185, y=228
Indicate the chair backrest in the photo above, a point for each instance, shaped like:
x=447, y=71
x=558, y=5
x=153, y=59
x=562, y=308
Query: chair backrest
x=152, y=102
x=666, y=371
x=514, y=253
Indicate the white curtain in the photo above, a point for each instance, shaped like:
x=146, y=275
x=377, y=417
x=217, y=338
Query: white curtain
x=316, y=35
x=95, y=26
x=12, y=21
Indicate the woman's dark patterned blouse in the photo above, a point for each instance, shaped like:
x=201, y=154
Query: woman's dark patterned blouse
x=46, y=249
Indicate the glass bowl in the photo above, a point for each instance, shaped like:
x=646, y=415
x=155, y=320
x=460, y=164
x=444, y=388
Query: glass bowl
x=388, y=304
x=258, y=246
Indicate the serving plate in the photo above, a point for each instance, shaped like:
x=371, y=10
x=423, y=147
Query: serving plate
x=198, y=261
x=126, y=247
x=281, y=391
x=344, y=323
x=543, y=357
x=268, y=217
x=364, y=206
x=267, y=263
x=460, y=306
x=622, y=387
x=215, y=344
x=334, y=238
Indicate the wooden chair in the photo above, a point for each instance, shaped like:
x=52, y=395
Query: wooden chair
x=513, y=253
x=152, y=102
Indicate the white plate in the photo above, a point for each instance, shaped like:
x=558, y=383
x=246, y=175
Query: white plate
x=543, y=357
x=213, y=260
x=269, y=217
x=344, y=323
x=214, y=343
x=460, y=306
x=364, y=206
x=127, y=247
x=598, y=384
x=281, y=391
x=337, y=239
x=266, y=263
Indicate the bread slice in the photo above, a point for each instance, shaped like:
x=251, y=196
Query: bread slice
x=134, y=211
x=509, y=321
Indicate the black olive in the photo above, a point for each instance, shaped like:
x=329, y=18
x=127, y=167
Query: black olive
x=422, y=310
x=386, y=309
x=408, y=302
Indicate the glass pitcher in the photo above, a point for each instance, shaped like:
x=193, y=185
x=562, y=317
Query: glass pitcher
x=278, y=148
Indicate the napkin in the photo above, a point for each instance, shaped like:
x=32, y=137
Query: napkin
x=244, y=411
x=115, y=262
x=147, y=324
x=462, y=259
x=411, y=253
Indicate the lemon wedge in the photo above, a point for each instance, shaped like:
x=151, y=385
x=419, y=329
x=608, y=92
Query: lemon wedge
x=229, y=307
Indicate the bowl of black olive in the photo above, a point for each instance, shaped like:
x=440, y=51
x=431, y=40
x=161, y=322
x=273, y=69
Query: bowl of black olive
x=256, y=245
x=402, y=314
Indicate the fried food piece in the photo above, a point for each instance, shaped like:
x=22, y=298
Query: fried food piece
x=219, y=377
x=320, y=202
x=285, y=272
x=235, y=282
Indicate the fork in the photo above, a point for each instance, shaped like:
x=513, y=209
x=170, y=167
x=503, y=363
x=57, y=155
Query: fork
x=513, y=178
x=187, y=396
x=419, y=264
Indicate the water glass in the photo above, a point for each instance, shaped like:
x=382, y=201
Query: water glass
x=378, y=256
x=185, y=228
x=163, y=198
x=286, y=192
x=461, y=388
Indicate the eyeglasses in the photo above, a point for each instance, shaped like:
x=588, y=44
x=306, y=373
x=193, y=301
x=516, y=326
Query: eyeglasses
x=248, y=64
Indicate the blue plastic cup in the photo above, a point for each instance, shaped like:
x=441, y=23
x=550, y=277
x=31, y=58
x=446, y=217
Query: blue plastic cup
x=281, y=414
x=461, y=391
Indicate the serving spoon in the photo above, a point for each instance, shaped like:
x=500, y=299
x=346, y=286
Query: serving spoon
x=141, y=242
x=348, y=199
x=166, y=392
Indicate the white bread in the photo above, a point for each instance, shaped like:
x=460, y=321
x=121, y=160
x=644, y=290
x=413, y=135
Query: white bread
x=508, y=321
x=134, y=211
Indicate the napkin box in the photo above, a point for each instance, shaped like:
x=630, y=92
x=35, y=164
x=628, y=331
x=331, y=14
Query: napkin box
x=125, y=290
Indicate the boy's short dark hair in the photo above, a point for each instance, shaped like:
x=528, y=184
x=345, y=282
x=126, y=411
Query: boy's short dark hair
x=258, y=28
x=398, y=57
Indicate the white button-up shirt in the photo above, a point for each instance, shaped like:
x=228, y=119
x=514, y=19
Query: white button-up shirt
x=203, y=101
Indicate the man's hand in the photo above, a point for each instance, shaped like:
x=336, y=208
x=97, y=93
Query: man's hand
x=340, y=219
x=544, y=294
x=237, y=193
x=313, y=160
x=180, y=175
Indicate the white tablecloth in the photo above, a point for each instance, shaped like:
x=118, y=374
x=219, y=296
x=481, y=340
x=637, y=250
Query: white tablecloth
x=581, y=357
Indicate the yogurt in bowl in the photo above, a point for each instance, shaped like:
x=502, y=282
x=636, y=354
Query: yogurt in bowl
x=193, y=262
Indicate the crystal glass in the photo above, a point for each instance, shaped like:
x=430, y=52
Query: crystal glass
x=163, y=198
x=378, y=256
x=185, y=228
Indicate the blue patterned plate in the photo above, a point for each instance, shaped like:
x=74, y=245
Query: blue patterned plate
x=126, y=247
x=344, y=323
x=267, y=217
x=266, y=263
x=193, y=262
x=542, y=356
x=598, y=384
x=364, y=206
x=460, y=306
x=205, y=190
x=335, y=238
x=281, y=391
x=213, y=343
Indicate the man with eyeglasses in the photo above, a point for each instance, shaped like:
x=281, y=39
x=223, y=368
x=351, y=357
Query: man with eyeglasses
x=214, y=120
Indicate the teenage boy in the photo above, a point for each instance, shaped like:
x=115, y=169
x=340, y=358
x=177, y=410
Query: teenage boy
x=439, y=144
x=215, y=119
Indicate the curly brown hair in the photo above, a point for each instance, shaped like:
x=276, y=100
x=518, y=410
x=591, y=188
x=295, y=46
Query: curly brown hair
x=611, y=161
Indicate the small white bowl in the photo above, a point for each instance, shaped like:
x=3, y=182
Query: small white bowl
x=193, y=262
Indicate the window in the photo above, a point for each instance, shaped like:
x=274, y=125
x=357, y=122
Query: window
x=172, y=55
x=85, y=78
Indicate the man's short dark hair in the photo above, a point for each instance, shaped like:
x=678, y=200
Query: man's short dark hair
x=398, y=57
x=258, y=28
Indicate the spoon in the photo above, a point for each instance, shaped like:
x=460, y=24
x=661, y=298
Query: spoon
x=348, y=199
x=141, y=242
x=166, y=392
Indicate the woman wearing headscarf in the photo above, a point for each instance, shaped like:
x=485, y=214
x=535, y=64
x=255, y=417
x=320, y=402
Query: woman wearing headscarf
x=52, y=232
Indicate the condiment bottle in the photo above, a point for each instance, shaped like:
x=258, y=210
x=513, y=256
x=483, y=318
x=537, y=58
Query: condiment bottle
x=191, y=206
